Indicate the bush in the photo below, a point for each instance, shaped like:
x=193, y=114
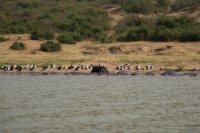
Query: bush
x=50, y=46
x=18, y=46
x=131, y=36
x=181, y=4
x=42, y=35
x=166, y=22
x=143, y=33
x=162, y=29
x=69, y=39
x=2, y=39
x=190, y=35
x=164, y=35
x=139, y=6
x=163, y=3
x=140, y=33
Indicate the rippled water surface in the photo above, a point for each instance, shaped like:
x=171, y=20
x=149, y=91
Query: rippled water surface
x=99, y=104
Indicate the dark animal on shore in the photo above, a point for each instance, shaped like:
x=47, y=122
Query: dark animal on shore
x=32, y=67
x=19, y=68
x=12, y=68
x=100, y=70
x=45, y=67
x=70, y=67
x=59, y=67
x=76, y=68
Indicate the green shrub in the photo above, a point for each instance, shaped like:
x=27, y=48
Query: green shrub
x=166, y=22
x=42, y=35
x=140, y=33
x=181, y=4
x=163, y=3
x=161, y=29
x=143, y=33
x=90, y=23
x=132, y=36
x=67, y=38
x=139, y=6
x=18, y=46
x=190, y=35
x=3, y=39
x=50, y=46
x=165, y=35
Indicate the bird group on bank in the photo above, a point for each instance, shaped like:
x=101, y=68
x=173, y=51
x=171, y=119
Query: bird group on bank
x=72, y=67
x=18, y=67
x=137, y=67
x=45, y=67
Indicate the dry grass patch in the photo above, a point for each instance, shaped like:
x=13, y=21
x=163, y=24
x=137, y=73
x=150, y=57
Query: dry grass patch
x=90, y=52
x=95, y=49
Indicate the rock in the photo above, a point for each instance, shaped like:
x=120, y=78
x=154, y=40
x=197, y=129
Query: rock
x=100, y=70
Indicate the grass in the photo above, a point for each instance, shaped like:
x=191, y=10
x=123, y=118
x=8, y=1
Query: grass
x=179, y=53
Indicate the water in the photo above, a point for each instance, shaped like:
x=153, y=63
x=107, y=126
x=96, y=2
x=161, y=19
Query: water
x=99, y=104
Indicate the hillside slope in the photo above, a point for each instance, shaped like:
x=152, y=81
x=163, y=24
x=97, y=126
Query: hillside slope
x=78, y=20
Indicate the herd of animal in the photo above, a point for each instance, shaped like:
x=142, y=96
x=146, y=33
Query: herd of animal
x=71, y=67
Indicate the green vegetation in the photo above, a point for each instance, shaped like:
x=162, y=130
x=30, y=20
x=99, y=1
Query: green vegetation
x=71, y=21
x=42, y=35
x=43, y=18
x=159, y=29
x=68, y=39
x=154, y=6
x=18, y=46
x=184, y=4
x=50, y=46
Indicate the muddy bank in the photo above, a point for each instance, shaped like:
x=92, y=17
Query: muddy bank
x=119, y=73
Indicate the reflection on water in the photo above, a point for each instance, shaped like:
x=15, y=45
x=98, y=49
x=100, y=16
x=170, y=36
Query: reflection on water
x=99, y=104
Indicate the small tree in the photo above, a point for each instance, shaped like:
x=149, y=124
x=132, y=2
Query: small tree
x=50, y=46
x=18, y=46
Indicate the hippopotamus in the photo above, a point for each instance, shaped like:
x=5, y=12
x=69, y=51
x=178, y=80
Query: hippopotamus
x=99, y=70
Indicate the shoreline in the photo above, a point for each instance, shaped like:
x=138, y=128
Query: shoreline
x=116, y=69
x=117, y=73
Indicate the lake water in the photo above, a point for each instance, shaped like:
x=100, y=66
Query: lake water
x=99, y=104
